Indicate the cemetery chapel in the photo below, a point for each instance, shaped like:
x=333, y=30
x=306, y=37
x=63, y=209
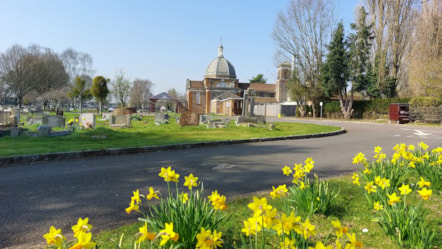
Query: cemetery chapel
x=220, y=92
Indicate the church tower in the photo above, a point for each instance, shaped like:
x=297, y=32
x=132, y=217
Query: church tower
x=284, y=73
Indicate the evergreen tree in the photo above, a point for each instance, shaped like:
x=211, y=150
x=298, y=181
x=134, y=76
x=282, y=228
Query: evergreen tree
x=100, y=90
x=335, y=73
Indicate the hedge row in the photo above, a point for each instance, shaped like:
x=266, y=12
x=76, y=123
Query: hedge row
x=377, y=108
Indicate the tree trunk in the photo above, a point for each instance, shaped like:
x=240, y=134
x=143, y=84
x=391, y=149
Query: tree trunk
x=346, y=105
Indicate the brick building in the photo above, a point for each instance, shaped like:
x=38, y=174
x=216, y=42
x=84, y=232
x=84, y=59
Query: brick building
x=220, y=92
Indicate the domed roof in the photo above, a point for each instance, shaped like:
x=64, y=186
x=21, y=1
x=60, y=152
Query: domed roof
x=220, y=67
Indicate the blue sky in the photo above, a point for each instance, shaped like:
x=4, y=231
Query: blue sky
x=166, y=42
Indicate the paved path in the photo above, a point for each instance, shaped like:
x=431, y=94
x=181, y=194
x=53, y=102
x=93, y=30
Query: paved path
x=35, y=196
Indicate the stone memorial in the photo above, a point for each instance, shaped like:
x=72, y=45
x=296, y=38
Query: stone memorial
x=161, y=118
x=189, y=118
x=87, y=120
x=248, y=115
x=44, y=131
x=122, y=120
x=53, y=121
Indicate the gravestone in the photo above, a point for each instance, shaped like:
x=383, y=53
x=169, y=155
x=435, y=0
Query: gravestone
x=204, y=119
x=248, y=116
x=120, y=120
x=53, y=121
x=44, y=131
x=87, y=120
x=189, y=118
x=15, y=132
x=4, y=117
x=161, y=118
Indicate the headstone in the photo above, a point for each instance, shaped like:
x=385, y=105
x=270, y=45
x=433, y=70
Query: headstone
x=120, y=120
x=189, y=118
x=161, y=118
x=4, y=118
x=204, y=119
x=44, y=131
x=87, y=120
x=15, y=132
x=53, y=121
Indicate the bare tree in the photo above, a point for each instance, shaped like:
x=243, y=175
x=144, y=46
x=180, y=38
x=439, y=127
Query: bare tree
x=121, y=88
x=302, y=31
x=16, y=71
x=76, y=64
x=58, y=96
x=140, y=93
x=425, y=71
x=393, y=24
x=48, y=72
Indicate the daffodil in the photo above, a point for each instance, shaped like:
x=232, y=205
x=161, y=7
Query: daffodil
x=360, y=158
x=422, y=183
x=190, y=181
x=184, y=197
x=377, y=206
x=169, y=175
x=81, y=226
x=252, y=226
x=423, y=146
x=308, y=229
x=287, y=243
x=152, y=194
x=393, y=199
x=259, y=206
x=218, y=201
x=340, y=230
x=207, y=240
x=319, y=245
x=367, y=171
x=145, y=234
x=425, y=193
x=132, y=207
x=353, y=243
x=279, y=192
x=287, y=170
x=405, y=189
x=168, y=234
x=286, y=224
x=355, y=178
x=84, y=241
x=370, y=187
x=54, y=237
x=136, y=197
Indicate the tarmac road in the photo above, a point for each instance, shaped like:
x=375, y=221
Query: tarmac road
x=35, y=196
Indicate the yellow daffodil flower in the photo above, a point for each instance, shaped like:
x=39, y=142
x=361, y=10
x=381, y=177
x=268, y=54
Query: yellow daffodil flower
x=319, y=245
x=169, y=175
x=423, y=146
x=136, y=197
x=278, y=192
x=370, y=187
x=287, y=170
x=286, y=224
x=54, y=237
x=190, y=181
x=132, y=207
x=84, y=241
x=355, y=178
x=360, y=158
x=422, y=183
x=259, y=206
x=218, y=201
x=425, y=193
x=252, y=226
x=367, y=171
x=145, y=234
x=81, y=226
x=287, y=243
x=377, y=206
x=207, y=240
x=340, y=230
x=152, y=194
x=184, y=197
x=308, y=229
x=405, y=189
x=393, y=199
x=168, y=234
x=353, y=242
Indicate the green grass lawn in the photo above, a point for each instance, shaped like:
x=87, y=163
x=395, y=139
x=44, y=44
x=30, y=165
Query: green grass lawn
x=146, y=133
